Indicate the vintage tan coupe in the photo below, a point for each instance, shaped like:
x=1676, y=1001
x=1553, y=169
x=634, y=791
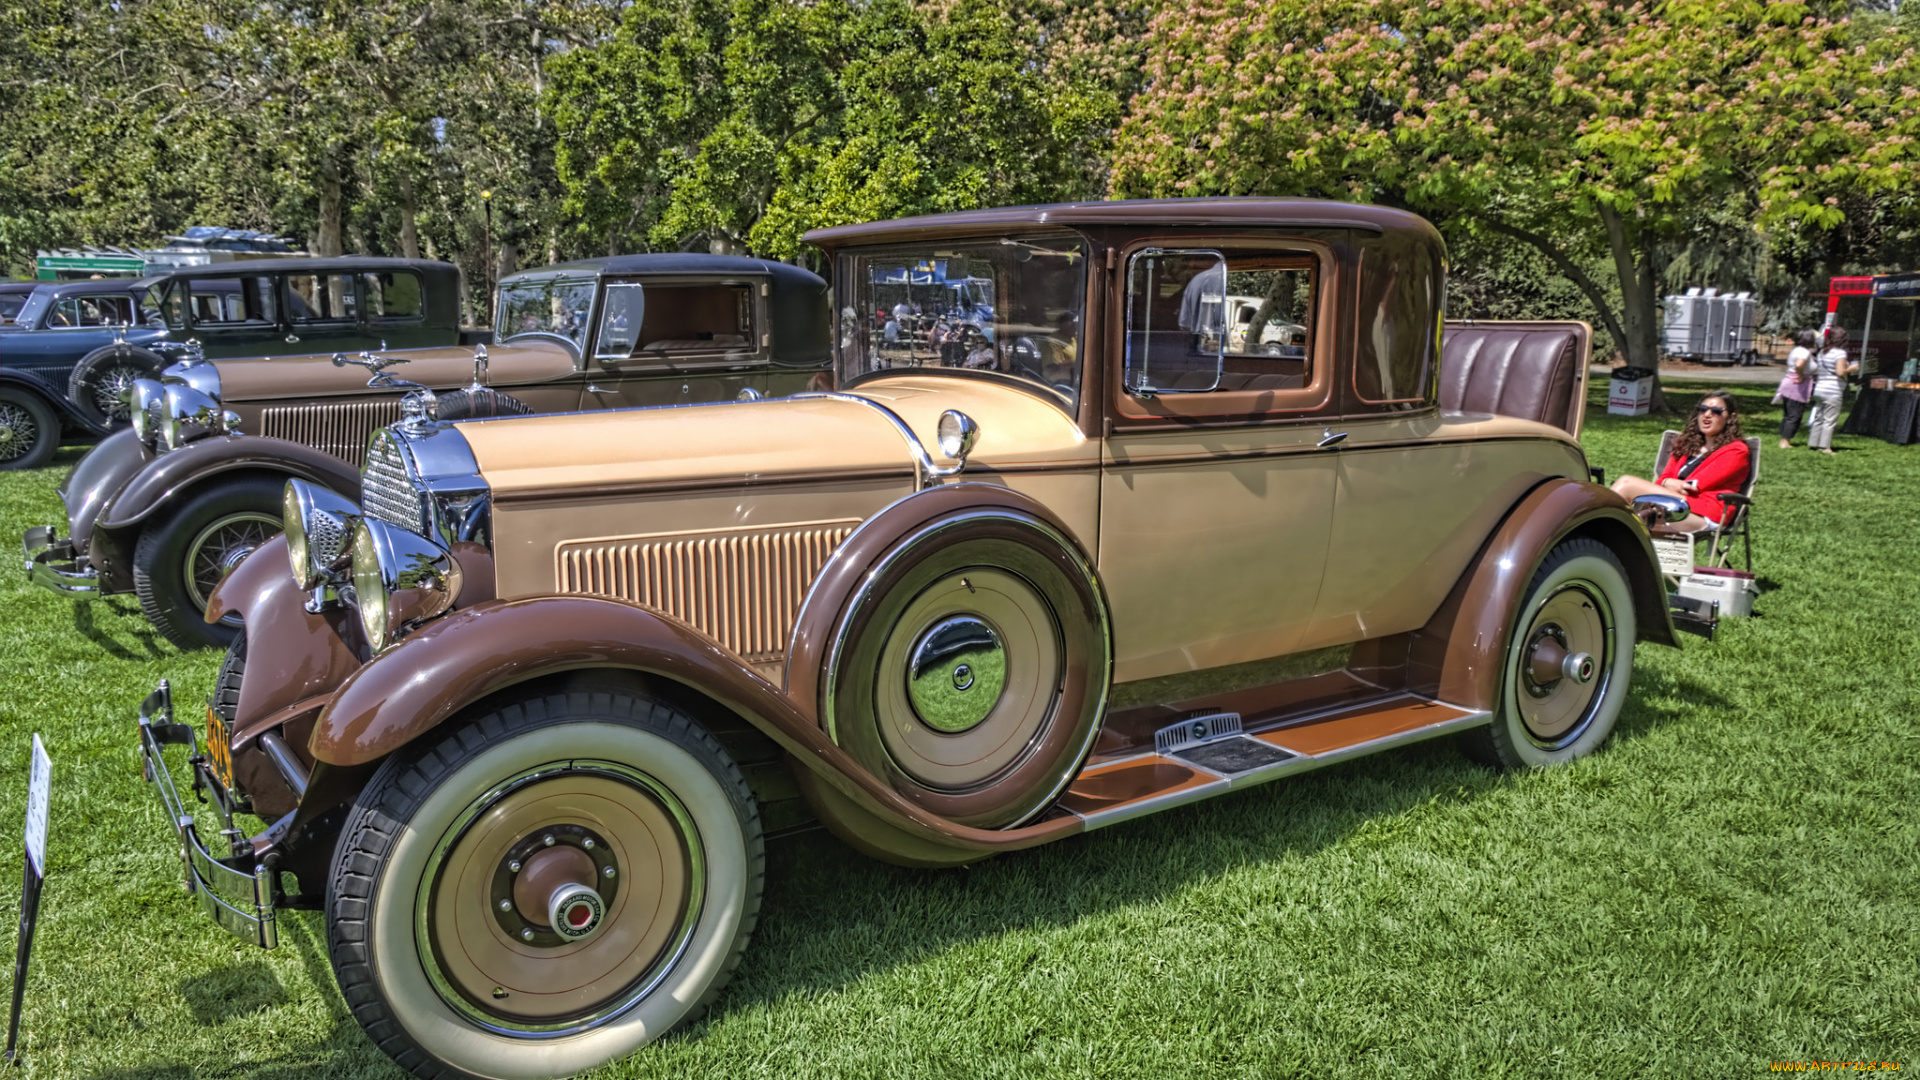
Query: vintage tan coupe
x=1049, y=557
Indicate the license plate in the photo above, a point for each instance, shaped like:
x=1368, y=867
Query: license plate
x=220, y=748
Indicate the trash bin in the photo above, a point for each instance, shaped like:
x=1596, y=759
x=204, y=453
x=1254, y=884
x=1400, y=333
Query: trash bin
x=1631, y=392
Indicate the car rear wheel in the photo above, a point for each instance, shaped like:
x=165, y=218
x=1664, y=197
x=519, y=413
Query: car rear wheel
x=101, y=380
x=552, y=886
x=29, y=431
x=181, y=558
x=1568, y=662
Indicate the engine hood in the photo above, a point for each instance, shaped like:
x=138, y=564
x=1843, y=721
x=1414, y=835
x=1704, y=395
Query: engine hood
x=754, y=442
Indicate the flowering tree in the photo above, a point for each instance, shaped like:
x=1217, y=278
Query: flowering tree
x=1578, y=127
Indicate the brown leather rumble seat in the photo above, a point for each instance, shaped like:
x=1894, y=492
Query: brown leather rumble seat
x=1530, y=370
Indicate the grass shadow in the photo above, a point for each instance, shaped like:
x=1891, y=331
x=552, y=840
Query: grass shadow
x=88, y=627
x=221, y=995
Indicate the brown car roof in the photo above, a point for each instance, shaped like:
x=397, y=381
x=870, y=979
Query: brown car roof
x=1239, y=211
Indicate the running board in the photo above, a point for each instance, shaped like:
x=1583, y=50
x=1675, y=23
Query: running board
x=1210, y=755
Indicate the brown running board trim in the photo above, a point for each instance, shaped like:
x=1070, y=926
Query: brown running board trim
x=1113, y=792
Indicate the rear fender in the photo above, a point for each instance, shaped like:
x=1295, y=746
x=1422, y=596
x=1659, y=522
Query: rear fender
x=1457, y=656
x=410, y=690
x=173, y=472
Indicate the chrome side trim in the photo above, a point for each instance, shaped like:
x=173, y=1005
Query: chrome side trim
x=237, y=893
x=53, y=564
x=1100, y=819
x=925, y=472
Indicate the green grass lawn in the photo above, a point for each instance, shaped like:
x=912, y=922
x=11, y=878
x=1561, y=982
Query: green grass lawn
x=1732, y=881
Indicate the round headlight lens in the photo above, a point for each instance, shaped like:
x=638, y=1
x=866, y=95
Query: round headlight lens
x=369, y=587
x=294, y=525
x=956, y=432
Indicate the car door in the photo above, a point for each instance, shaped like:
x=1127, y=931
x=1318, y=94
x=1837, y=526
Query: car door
x=323, y=312
x=1216, y=493
x=394, y=304
x=1419, y=492
x=678, y=340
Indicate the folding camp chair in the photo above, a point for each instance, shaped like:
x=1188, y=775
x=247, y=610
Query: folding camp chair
x=1739, y=512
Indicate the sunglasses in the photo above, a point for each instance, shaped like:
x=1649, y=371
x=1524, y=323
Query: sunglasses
x=1717, y=410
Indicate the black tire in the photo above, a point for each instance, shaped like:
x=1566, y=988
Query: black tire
x=1579, y=603
x=472, y=404
x=29, y=430
x=100, y=381
x=183, y=555
x=465, y=809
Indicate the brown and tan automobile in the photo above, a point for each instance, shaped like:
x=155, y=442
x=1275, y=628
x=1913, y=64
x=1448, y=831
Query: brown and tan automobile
x=165, y=508
x=1048, y=558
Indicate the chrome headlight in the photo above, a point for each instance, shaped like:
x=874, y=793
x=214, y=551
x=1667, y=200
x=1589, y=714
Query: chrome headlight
x=188, y=414
x=144, y=399
x=399, y=579
x=199, y=374
x=319, y=528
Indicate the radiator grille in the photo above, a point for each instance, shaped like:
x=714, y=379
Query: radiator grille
x=742, y=587
x=386, y=491
x=340, y=429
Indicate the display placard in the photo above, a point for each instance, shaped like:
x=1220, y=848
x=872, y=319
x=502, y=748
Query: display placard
x=1675, y=554
x=39, y=787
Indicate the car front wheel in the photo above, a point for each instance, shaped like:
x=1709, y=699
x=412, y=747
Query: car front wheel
x=181, y=558
x=547, y=889
x=1568, y=662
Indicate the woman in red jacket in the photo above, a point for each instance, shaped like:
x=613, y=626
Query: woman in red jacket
x=1710, y=456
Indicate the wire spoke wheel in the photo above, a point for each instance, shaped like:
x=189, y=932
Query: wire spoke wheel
x=110, y=388
x=19, y=431
x=220, y=546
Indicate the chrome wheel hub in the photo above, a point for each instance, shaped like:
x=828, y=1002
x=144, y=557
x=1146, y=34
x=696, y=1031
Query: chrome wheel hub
x=553, y=888
x=955, y=673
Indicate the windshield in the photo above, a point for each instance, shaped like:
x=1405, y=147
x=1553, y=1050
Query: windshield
x=554, y=307
x=1009, y=306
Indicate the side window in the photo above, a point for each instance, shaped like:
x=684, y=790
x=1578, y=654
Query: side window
x=1227, y=320
x=231, y=301
x=392, y=295
x=321, y=298
x=65, y=313
x=1399, y=297
x=173, y=305
x=675, y=320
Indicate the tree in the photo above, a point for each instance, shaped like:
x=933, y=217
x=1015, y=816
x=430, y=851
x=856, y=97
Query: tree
x=1579, y=128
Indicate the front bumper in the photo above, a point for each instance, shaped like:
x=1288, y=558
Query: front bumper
x=239, y=892
x=53, y=564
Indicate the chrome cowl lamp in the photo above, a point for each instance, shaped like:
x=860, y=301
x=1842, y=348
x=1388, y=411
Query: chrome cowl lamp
x=319, y=530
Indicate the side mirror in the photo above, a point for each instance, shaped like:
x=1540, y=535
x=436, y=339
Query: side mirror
x=1657, y=510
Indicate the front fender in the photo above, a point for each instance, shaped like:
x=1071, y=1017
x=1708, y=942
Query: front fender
x=96, y=478
x=177, y=470
x=455, y=661
x=1457, y=656
x=55, y=397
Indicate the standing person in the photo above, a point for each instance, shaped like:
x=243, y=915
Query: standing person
x=1830, y=371
x=1709, y=457
x=1796, y=386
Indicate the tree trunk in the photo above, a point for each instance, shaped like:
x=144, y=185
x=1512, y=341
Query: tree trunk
x=1633, y=262
x=409, y=218
x=326, y=237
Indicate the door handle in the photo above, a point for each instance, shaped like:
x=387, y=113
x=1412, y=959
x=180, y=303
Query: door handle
x=292, y=338
x=1330, y=437
x=592, y=389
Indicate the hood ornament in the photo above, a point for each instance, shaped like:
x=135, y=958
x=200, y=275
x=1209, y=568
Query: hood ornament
x=419, y=408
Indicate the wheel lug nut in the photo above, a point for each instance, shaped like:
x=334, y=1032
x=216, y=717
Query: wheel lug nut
x=527, y=934
x=513, y=867
x=548, y=840
x=506, y=905
x=608, y=871
x=587, y=843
